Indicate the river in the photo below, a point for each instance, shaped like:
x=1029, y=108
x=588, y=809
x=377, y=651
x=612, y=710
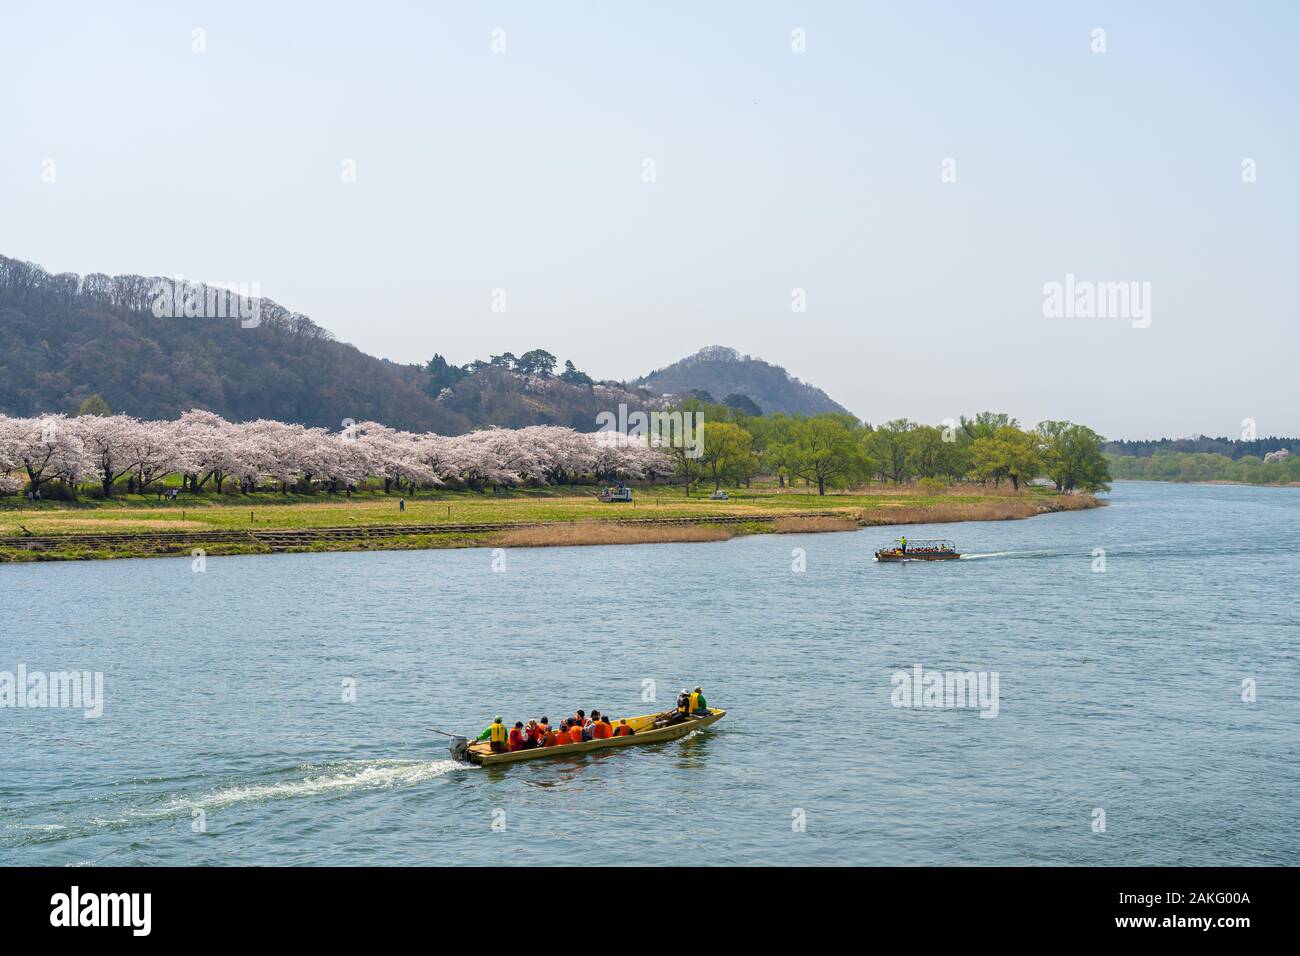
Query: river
x=279, y=709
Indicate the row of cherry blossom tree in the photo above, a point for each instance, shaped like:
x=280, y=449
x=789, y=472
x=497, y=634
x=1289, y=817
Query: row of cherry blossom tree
x=212, y=454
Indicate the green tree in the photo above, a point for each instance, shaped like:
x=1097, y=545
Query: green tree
x=1008, y=453
x=573, y=376
x=891, y=447
x=931, y=455
x=536, y=362
x=94, y=405
x=727, y=453
x=984, y=425
x=826, y=451
x=442, y=374
x=1073, y=458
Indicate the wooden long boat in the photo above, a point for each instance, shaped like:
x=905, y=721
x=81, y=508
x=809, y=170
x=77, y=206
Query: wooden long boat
x=923, y=549
x=644, y=732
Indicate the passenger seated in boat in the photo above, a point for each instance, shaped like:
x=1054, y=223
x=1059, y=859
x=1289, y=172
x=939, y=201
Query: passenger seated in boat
x=599, y=730
x=683, y=707
x=518, y=741
x=530, y=732
x=495, y=735
x=562, y=738
x=623, y=729
x=548, y=735
x=609, y=728
x=698, y=704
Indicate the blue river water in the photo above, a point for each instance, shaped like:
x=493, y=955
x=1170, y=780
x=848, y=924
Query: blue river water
x=229, y=734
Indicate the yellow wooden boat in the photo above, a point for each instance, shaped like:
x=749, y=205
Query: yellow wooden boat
x=644, y=732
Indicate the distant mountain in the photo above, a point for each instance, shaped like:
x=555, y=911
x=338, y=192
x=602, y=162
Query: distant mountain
x=723, y=373
x=65, y=338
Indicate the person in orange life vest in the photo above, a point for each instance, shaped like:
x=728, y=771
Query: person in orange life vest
x=532, y=733
x=543, y=728
x=495, y=735
x=548, y=735
x=599, y=730
x=623, y=730
x=563, y=737
x=517, y=736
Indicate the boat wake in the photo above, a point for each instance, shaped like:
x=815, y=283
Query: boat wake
x=1013, y=554
x=323, y=779
x=304, y=780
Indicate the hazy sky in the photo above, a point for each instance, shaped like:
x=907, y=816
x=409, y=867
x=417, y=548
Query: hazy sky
x=775, y=170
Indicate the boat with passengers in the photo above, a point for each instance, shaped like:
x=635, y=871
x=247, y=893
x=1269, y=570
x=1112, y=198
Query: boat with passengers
x=646, y=729
x=923, y=549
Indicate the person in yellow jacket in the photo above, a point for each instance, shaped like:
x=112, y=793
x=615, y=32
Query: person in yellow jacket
x=698, y=704
x=496, y=734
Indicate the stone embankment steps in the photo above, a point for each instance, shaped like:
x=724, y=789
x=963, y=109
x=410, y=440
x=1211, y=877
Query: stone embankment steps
x=284, y=539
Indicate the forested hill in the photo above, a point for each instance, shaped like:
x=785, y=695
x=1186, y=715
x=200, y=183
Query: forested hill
x=1203, y=445
x=723, y=375
x=65, y=337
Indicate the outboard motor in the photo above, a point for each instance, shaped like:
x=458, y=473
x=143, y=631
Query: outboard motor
x=459, y=748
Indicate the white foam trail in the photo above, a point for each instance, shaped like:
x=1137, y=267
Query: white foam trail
x=1043, y=553
x=360, y=774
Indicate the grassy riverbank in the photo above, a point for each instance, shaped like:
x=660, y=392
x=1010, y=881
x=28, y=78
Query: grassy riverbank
x=133, y=526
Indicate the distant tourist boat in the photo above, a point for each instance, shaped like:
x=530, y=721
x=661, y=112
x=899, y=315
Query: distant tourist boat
x=923, y=549
x=648, y=729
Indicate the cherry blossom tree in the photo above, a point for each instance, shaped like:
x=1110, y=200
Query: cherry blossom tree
x=203, y=447
x=159, y=452
x=561, y=454
x=208, y=443
x=109, y=442
x=46, y=448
